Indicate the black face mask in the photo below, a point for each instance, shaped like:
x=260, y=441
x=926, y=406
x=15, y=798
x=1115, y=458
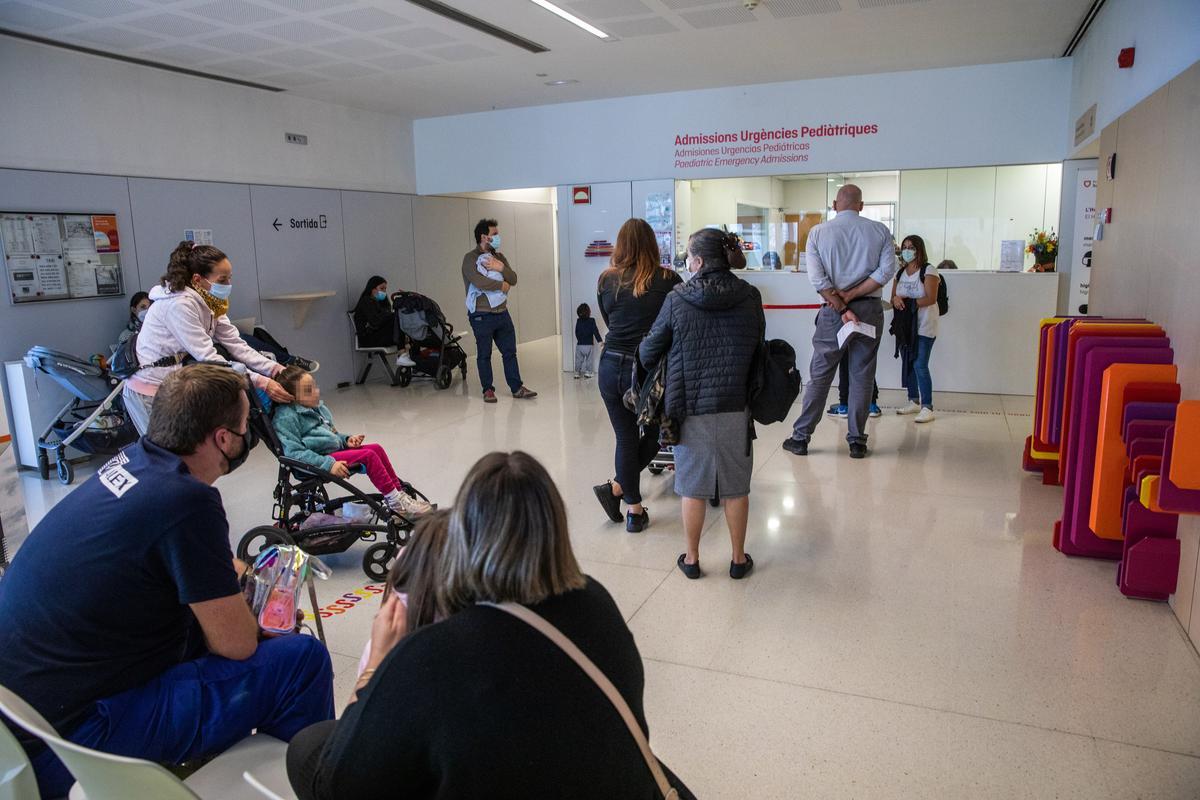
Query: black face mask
x=249, y=440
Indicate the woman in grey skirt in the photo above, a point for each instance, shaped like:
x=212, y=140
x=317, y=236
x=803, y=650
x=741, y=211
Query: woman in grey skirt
x=709, y=330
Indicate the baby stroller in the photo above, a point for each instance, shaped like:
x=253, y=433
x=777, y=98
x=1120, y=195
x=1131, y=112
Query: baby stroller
x=306, y=516
x=93, y=422
x=434, y=344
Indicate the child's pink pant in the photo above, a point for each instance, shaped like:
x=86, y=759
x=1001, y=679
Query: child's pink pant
x=379, y=469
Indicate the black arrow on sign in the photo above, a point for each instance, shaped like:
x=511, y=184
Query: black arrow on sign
x=275, y=224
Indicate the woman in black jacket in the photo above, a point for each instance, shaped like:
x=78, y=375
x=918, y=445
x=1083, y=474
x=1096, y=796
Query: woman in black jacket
x=480, y=703
x=630, y=294
x=709, y=330
x=375, y=322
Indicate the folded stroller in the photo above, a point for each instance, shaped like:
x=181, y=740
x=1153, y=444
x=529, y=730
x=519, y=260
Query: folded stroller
x=93, y=422
x=434, y=344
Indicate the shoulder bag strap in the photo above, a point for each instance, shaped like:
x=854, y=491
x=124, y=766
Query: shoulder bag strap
x=552, y=633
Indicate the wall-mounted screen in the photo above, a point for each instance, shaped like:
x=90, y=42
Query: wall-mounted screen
x=57, y=256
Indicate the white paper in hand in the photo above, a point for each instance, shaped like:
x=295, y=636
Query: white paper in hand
x=851, y=328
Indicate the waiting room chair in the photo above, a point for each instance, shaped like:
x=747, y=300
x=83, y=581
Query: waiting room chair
x=103, y=776
x=17, y=781
x=386, y=356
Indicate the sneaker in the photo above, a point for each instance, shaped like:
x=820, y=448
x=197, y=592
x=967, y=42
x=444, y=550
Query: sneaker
x=925, y=415
x=913, y=407
x=489, y=396
x=876, y=411
x=404, y=360
x=838, y=410
x=589, y=374
x=578, y=376
x=610, y=502
x=858, y=450
x=636, y=523
x=739, y=571
x=524, y=393
x=796, y=446
x=306, y=364
x=411, y=506
x=692, y=571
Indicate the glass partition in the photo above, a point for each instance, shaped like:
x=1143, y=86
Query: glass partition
x=963, y=214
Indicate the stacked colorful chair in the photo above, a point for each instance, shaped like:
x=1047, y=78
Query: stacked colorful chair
x=1108, y=424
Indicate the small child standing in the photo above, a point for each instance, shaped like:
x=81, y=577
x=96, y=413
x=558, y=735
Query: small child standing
x=586, y=332
x=306, y=431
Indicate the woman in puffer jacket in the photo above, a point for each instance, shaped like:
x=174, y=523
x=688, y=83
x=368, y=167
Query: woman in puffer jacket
x=189, y=318
x=709, y=330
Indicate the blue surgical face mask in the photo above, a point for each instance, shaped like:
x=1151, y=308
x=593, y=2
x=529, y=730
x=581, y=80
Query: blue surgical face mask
x=381, y=296
x=908, y=255
x=141, y=314
x=221, y=291
x=495, y=241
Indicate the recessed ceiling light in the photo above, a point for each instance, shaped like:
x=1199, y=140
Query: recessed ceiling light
x=542, y=75
x=571, y=18
x=561, y=83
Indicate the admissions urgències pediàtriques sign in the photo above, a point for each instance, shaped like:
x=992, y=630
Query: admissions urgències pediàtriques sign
x=749, y=148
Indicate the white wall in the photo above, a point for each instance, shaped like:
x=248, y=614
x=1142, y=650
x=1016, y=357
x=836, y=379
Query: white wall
x=1166, y=34
x=72, y=112
x=981, y=121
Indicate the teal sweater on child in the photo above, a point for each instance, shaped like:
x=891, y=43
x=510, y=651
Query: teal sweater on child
x=307, y=434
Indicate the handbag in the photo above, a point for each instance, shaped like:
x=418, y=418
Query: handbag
x=538, y=622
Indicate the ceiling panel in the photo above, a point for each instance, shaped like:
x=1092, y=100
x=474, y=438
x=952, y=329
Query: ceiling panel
x=393, y=56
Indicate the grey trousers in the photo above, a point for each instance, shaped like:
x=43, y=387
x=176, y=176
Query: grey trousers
x=583, y=358
x=860, y=352
x=137, y=408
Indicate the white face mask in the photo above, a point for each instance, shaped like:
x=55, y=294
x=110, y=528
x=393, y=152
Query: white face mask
x=908, y=255
x=688, y=272
x=141, y=314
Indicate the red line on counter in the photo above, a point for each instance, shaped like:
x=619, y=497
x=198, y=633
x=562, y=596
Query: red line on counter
x=806, y=306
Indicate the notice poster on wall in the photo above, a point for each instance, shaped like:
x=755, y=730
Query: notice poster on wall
x=1012, y=255
x=1081, y=245
x=60, y=256
x=660, y=213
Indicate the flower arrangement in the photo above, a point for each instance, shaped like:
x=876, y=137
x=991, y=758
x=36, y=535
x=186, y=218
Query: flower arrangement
x=1043, y=246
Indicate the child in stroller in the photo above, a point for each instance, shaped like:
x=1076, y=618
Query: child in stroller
x=305, y=428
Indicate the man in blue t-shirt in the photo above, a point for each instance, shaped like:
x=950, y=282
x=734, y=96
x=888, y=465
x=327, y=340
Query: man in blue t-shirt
x=122, y=619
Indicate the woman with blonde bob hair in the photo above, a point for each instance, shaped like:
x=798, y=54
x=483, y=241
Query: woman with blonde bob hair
x=481, y=703
x=630, y=293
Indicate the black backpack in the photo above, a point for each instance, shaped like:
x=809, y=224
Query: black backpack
x=124, y=362
x=943, y=295
x=774, y=382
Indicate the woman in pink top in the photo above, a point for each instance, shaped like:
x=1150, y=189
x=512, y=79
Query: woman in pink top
x=189, y=319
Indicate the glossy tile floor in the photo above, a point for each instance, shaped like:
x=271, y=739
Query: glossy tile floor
x=908, y=632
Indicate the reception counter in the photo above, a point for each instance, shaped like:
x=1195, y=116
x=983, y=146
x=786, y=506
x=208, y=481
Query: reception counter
x=986, y=344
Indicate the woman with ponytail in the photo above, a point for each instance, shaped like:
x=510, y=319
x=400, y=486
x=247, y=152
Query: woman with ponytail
x=189, y=320
x=709, y=331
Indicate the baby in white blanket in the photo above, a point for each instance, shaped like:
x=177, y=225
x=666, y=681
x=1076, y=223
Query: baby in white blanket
x=490, y=266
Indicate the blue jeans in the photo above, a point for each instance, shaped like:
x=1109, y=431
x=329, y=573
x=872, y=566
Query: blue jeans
x=918, y=381
x=203, y=707
x=497, y=327
x=634, y=451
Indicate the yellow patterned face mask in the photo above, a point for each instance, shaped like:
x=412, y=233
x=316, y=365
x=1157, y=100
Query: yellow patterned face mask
x=219, y=308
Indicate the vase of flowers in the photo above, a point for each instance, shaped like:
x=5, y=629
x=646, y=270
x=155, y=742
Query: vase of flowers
x=1044, y=247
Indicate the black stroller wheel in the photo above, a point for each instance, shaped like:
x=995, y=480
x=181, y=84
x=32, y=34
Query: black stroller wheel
x=443, y=378
x=378, y=560
x=655, y=470
x=258, y=539
x=66, y=473
x=43, y=464
x=404, y=377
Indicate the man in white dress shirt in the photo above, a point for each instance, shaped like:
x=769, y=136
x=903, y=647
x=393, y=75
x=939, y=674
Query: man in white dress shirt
x=850, y=259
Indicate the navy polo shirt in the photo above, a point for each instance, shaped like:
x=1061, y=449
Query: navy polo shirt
x=96, y=600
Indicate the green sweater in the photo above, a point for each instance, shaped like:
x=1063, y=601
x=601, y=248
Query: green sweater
x=307, y=434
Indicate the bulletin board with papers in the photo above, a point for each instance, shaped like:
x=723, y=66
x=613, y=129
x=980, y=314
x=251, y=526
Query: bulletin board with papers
x=60, y=256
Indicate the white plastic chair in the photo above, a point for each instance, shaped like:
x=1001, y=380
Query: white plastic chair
x=103, y=776
x=17, y=781
x=386, y=356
